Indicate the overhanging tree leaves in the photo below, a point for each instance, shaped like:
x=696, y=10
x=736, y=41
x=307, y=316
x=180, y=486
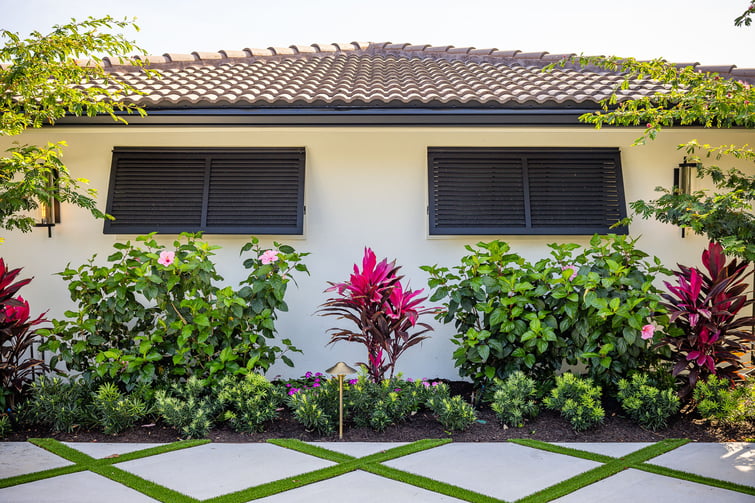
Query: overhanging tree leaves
x=41, y=81
x=691, y=98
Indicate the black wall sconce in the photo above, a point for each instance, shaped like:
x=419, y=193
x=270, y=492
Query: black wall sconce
x=49, y=210
x=683, y=179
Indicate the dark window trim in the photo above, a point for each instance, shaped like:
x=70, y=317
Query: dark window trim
x=522, y=155
x=295, y=156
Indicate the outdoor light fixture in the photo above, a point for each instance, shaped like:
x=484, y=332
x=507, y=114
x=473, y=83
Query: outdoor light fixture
x=49, y=209
x=683, y=178
x=340, y=369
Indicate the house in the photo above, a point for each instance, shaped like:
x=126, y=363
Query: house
x=334, y=147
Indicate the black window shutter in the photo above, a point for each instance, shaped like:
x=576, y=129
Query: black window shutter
x=491, y=190
x=216, y=190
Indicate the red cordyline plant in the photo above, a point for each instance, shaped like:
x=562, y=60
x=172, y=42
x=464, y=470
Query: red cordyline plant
x=705, y=306
x=384, y=312
x=17, y=367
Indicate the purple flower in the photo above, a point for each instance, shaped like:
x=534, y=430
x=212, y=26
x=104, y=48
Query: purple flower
x=293, y=391
x=308, y=375
x=410, y=380
x=425, y=384
x=396, y=389
x=352, y=381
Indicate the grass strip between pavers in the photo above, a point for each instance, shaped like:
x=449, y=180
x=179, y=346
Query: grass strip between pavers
x=149, y=488
x=345, y=464
x=45, y=474
x=692, y=477
x=614, y=466
x=430, y=484
x=103, y=467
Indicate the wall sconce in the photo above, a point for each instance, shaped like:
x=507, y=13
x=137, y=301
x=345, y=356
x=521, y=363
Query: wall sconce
x=340, y=369
x=683, y=179
x=49, y=210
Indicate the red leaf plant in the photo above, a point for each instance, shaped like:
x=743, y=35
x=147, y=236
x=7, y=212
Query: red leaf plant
x=705, y=306
x=382, y=309
x=18, y=367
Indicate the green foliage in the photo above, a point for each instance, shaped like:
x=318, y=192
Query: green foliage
x=718, y=400
x=578, y=400
x=646, y=404
x=383, y=404
x=43, y=84
x=452, y=412
x=59, y=405
x=5, y=425
x=248, y=403
x=317, y=408
x=115, y=412
x=190, y=406
x=155, y=315
x=514, y=399
x=586, y=307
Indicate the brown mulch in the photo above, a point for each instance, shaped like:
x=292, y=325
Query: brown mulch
x=548, y=427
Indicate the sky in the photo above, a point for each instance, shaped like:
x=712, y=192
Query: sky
x=682, y=31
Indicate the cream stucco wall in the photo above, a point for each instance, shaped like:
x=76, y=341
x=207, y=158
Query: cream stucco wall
x=364, y=187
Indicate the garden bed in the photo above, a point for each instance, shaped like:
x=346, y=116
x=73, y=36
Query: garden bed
x=548, y=427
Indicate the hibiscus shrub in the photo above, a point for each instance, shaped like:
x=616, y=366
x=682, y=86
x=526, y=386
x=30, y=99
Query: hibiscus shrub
x=383, y=310
x=588, y=306
x=155, y=315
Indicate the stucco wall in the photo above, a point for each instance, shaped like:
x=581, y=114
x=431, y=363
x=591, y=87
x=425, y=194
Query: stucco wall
x=364, y=187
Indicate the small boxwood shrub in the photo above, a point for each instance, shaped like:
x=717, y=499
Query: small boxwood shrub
x=646, y=404
x=59, y=405
x=514, y=399
x=452, y=412
x=578, y=400
x=115, y=412
x=191, y=407
x=718, y=399
x=249, y=402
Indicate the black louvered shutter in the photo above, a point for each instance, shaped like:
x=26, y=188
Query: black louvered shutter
x=491, y=190
x=222, y=191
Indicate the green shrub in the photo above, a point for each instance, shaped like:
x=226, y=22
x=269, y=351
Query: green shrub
x=5, y=425
x=59, y=405
x=317, y=408
x=646, y=404
x=383, y=404
x=453, y=413
x=115, y=412
x=514, y=399
x=718, y=400
x=587, y=307
x=248, y=403
x=191, y=407
x=155, y=315
x=578, y=400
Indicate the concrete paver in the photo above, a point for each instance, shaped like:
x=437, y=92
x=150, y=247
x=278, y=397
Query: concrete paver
x=103, y=450
x=503, y=470
x=732, y=461
x=358, y=486
x=631, y=486
x=212, y=470
x=20, y=458
x=81, y=487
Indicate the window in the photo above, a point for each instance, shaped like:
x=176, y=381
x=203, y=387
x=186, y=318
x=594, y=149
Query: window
x=524, y=190
x=216, y=190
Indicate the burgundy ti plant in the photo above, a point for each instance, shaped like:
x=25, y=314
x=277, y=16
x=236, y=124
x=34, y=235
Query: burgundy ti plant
x=17, y=335
x=383, y=311
x=705, y=306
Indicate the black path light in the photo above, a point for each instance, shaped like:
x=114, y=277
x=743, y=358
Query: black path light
x=340, y=370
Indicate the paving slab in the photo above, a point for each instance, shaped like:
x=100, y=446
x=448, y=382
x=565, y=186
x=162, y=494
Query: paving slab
x=212, y=470
x=358, y=449
x=81, y=487
x=358, y=486
x=19, y=458
x=613, y=449
x=503, y=470
x=731, y=461
x=106, y=450
x=631, y=486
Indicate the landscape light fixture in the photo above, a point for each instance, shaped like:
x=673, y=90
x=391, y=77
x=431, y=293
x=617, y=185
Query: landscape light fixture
x=49, y=208
x=340, y=370
x=683, y=179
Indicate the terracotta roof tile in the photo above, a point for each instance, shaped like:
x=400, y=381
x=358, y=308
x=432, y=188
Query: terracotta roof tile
x=382, y=74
